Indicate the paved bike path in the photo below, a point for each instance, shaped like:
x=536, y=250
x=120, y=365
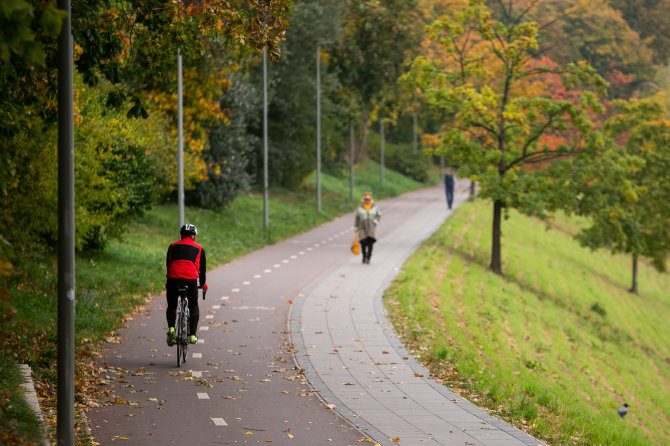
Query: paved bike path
x=354, y=359
x=241, y=385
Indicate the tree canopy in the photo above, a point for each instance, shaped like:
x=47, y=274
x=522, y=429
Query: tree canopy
x=483, y=74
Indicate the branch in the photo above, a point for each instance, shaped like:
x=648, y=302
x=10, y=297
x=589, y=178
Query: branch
x=538, y=157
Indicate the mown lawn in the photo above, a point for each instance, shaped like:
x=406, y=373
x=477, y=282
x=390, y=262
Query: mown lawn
x=109, y=284
x=556, y=345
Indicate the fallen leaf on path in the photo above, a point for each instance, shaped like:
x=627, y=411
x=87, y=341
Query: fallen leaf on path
x=395, y=440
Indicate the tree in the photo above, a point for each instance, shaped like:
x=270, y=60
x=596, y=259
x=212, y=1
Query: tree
x=594, y=31
x=131, y=46
x=377, y=40
x=654, y=28
x=483, y=74
x=626, y=194
x=231, y=147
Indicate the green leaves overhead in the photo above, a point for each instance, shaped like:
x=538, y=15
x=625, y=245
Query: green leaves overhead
x=18, y=36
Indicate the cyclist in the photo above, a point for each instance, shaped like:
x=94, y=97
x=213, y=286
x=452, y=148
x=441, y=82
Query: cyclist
x=186, y=264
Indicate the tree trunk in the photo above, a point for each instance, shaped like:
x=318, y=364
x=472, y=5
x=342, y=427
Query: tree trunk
x=496, y=264
x=472, y=191
x=633, y=288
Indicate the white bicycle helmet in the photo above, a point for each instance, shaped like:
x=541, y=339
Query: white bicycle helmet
x=188, y=229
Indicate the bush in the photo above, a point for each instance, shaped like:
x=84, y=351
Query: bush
x=230, y=149
x=401, y=158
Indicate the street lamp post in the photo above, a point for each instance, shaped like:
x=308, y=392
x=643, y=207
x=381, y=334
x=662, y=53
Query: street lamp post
x=265, y=141
x=180, y=137
x=381, y=152
x=318, y=122
x=180, y=142
x=66, y=255
x=351, y=156
x=416, y=133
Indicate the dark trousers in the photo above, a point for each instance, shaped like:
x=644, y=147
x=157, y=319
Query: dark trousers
x=172, y=294
x=366, y=246
x=450, y=197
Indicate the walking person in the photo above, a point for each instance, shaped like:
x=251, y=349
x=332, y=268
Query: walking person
x=185, y=264
x=367, y=218
x=449, y=182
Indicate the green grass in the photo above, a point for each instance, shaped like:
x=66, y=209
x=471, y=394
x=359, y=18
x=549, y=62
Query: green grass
x=554, y=346
x=18, y=423
x=112, y=283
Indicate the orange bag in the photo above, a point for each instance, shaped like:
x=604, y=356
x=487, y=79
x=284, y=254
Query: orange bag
x=355, y=246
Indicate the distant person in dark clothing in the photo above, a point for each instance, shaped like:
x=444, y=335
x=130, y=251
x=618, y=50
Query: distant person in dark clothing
x=449, y=182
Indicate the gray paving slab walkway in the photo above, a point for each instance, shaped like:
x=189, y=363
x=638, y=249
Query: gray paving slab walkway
x=353, y=358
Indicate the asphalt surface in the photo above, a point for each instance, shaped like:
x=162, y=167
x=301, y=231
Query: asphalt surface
x=295, y=350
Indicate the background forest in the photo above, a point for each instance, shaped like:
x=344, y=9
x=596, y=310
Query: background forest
x=550, y=105
x=126, y=95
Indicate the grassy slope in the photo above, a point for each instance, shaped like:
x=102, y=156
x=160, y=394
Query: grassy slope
x=111, y=283
x=556, y=345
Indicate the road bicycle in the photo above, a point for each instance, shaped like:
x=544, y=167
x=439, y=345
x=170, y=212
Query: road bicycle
x=183, y=319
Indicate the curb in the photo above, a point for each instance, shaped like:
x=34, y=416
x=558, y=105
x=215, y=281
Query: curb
x=31, y=398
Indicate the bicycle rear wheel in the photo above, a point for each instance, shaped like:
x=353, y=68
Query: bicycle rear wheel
x=186, y=315
x=182, y=341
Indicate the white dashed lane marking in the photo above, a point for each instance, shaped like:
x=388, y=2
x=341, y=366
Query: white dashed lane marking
x=246, y=282
x=235, y=290
x=284, y=261
x=197, y=355
x=277, y=265
x=204, y=328
x=259, y=307
x=225, y=297
x=202, y=396
x=209, y=316
x=196, y=374
x=216, y=307
x=257, y=276
x=219, y=421
x=267, y=271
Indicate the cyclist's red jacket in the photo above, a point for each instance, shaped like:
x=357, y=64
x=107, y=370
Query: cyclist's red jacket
x=186, y=260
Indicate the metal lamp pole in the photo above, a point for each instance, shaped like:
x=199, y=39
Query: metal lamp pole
x=381, y=152
x=66, y=273
x=180, y=138
x=351, y=156
x=265, y=140
x=415, y=133
x=318, y=122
